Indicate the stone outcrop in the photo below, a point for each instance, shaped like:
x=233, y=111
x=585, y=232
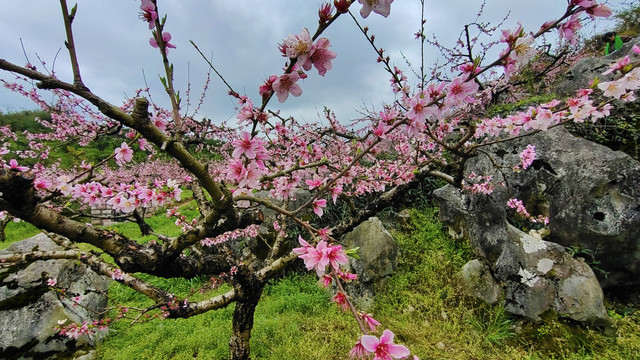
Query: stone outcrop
x=585, y=70
x=592, y=198
x=30, y=310
x=378, y=260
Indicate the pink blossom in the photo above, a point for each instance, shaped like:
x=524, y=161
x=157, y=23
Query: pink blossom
x=160, y=124
x=335, y=192
x=124, y=154
x=148, y=13
x=341, y=300
x=247, y=146
x=117, y=274
x=618, y=65
x=460, y=91
x=287, y=84
x=418, y=108
x=316, y=182
x=369, y=321
x=13, y=165
x=41, y=183
x=336, y=256
x=52, y=282
x=166, y=37
x=314, y=257
x=299, y=47
x=636, y=49
x=569, y=28
x=318, y=205
x=509, y=36
x=266, y=88
x=358, y=351
x=527, y=156
x=382, y=7
x=599, y=10
x=612, y=89
x=321, y=56
x=324, y=12
x=384, y=348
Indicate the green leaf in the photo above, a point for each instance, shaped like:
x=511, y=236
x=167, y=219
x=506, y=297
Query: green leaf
x=353, y=252
x=73, y=11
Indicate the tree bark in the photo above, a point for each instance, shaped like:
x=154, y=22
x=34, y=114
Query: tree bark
x=243, y=323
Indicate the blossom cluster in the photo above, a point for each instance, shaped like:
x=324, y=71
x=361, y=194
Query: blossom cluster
x=249, y=231
x=319, y=256
x=522, y=211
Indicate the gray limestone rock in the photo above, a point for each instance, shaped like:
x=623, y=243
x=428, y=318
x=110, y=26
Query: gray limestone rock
x=29, y=310
x=378, y=260
x=592, y=198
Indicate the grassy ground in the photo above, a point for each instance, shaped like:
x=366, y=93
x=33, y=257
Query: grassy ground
x=424, y=304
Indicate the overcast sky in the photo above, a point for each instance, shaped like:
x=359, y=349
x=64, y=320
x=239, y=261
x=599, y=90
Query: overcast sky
x=242, y=37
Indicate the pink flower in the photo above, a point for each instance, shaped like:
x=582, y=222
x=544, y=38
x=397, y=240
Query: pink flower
x=358, y=351
x=369, y=321
x=336, y=256
x=527, y=156
x=341, y=300
x=299, y=47
x=335, y=192
x=148, y=13
x=316, y=182
x=326, y=280
x=318, y=205
x=13, y=165
x=287, y=84
x=612, y=89
x=636, y=49
x=509, y=36
x=599, y=10
x=166, y=37
x=124, y=154
x=324, y=13
x=117, y=274
x=460, y=91
x=247, y=146
x=384, y=349
x=418, y=108
x=382, y=7
x=41, y=184
x=52, y=282
x=322, y=56
x=569, y=28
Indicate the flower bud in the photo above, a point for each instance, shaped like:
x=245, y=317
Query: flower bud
x=325, y=12
x=342, y=5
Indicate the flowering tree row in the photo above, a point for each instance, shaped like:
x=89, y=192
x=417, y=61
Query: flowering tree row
x=261, y=161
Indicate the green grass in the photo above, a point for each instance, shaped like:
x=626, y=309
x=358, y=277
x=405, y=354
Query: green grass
x=424, y=304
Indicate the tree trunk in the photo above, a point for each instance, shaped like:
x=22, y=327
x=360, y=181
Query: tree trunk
x=242, y=325
x=3, y=225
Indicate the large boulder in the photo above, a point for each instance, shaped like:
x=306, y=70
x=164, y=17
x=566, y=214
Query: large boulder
x=30, y=310
x=378, y=260
x=590, y=194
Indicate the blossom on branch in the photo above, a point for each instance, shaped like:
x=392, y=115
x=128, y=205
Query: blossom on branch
x=382, y=7
x=285, y=85
x=124, y=154
x=384, y=348
x=166, y=37
x=148, y=13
